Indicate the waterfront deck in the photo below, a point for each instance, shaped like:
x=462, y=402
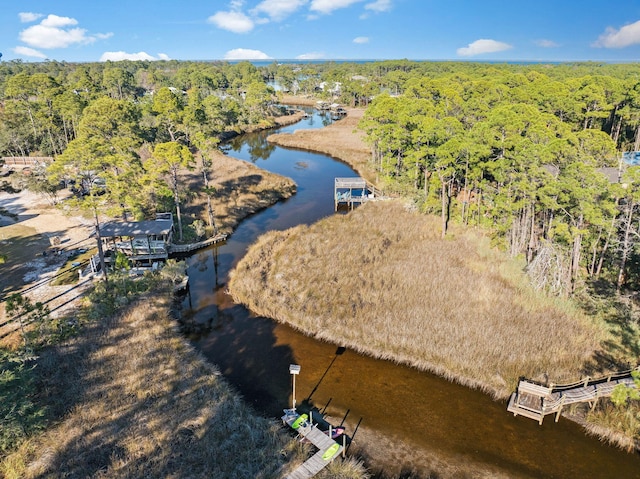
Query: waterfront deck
x=353, y=191
x=328, y=449
x=536, y=401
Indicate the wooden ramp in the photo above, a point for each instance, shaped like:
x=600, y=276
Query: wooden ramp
x=328, y=448
x=186, y=248
x=535, y=401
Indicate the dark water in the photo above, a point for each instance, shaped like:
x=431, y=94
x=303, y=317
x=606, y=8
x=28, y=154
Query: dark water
x=424, y=412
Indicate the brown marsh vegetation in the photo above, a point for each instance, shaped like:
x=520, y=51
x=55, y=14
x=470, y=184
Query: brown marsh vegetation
x=135, y=399
x=380, y=280
x=339, y=140
x=240, y=190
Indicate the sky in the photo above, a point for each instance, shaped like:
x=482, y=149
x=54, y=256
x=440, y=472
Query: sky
x=483, y=30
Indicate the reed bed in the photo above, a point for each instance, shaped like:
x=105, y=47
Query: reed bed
x=619, y=426
x=381, y=281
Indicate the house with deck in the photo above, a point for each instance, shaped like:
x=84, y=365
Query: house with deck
x=142, y=242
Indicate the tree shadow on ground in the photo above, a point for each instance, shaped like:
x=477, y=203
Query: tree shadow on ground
x=619, y=352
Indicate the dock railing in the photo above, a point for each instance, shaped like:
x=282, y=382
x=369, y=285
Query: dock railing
x=535, y=401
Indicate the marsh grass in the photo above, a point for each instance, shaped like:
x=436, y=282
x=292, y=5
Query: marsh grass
x=619, y=426
x=381, y=281
x=340, y=140
x=241, y=189
x=136, y=400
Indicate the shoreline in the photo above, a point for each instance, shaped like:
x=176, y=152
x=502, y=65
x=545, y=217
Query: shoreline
x=321, y=151
x=323, y=142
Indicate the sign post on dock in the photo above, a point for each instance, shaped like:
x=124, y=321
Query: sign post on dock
x=294, y=370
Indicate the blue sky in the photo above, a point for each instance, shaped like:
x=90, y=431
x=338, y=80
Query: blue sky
x=508, y=30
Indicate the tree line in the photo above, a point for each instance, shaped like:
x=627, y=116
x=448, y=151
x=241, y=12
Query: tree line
x=120, y=132
x=530, y=151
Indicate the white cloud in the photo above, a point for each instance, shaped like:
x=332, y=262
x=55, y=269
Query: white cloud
x=29, y=52
x=28, y=17
x=328, y=6
x=546, y=43
x=278, y=9
x=612, y=38
x=482, y=46
x=53, y=32
x=361, y=40
x=245, y=54
x=118, y=56
x=311, y=56
x=236, y=22
x=379, y=6
x=56, y=21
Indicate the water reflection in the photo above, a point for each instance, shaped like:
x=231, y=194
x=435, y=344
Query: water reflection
x=414, y=412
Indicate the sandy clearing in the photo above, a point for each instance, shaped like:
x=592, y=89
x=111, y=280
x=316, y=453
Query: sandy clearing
x=32, y=272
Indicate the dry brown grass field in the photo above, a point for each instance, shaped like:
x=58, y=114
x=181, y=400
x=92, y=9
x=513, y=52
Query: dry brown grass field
x=380, y=280
x=138, y=401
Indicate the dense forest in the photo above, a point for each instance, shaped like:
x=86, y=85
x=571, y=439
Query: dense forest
x=531, y=152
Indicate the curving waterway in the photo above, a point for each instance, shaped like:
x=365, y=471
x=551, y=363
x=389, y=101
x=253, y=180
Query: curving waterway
x=403, y=419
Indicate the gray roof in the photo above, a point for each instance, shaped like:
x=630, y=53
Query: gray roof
x=612, y=174
x=136, y=228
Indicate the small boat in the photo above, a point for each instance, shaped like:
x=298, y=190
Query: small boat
x=336, y=432
x=329, y=453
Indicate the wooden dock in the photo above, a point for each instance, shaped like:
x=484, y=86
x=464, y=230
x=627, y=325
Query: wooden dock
x=353, y=191
x=25, y=161
x=328, y=449
x=186, y=248
x=536, y=401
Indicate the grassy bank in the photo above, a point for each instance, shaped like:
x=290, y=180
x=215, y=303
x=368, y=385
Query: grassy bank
x=130, y=397
x=339, y=140
x=241, y=189
x=381, y=281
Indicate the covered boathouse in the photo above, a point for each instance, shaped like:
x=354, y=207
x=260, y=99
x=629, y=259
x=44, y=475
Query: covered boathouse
x=142, y=242
x=349, y=192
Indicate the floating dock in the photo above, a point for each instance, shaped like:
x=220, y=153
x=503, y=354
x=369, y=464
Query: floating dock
x=328, y=449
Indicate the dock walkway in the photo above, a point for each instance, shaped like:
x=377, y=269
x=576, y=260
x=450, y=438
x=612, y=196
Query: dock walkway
x=186, y=248
x=536, y=401
x=328, y=448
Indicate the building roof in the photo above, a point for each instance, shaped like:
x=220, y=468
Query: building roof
x=136, y=228
x=355, y=182
x=612, y=173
